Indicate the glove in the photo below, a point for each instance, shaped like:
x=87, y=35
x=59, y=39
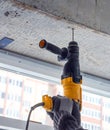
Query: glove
x=76, y=112
x=60, y=103
x=63, y=120
x=65, y=110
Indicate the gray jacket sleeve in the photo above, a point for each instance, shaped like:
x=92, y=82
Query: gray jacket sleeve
x=65, y=121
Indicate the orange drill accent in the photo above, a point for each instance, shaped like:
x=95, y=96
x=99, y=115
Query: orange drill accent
x=48, y=104
x=72, y=90
x=42, y=43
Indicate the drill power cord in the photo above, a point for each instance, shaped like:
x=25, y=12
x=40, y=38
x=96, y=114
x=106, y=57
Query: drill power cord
x=32, y=108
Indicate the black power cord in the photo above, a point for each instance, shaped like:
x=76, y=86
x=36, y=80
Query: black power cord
x=32, y=108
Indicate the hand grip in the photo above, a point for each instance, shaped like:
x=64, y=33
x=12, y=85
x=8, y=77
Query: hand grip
x=50, y=47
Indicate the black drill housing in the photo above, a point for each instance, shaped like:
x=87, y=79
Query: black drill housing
x=72, y=67
x=71, y=55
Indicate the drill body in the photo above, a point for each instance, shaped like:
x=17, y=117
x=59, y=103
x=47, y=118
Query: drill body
x=71, y=79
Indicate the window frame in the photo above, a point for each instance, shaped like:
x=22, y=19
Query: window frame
x=39, y=69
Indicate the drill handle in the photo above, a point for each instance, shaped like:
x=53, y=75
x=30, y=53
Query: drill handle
x=50, y=47
x=57, y=103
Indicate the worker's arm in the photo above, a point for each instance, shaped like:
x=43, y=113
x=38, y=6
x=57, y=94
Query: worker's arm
x=65, y=114
x=63, y=120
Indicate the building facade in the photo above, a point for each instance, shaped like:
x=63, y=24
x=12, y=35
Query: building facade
x=95, y=112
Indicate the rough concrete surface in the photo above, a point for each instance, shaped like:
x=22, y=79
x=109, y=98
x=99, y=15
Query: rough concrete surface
x=91, y=13
x=27, y=26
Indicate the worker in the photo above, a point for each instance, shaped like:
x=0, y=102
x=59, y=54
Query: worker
x=65, y=114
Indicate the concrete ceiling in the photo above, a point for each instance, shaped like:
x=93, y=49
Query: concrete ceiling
x=92, y=13
x=28, y=25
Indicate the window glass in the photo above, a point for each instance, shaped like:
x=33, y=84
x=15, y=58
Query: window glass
x=18, y=93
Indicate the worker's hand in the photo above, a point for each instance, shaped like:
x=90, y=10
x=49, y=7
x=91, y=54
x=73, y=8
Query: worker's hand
x=61, y=103
x=63, y=120
x=76, y=112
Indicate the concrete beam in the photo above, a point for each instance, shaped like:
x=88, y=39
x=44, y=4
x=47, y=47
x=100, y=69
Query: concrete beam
x=93, y=13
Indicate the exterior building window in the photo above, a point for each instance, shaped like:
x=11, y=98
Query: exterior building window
x=19, y=101
x=0, y=78
x=14, y=97
x=2, y=95
x=28, y=89
x=13, y=82
x=17, y=83
x=10, y=81
x=107, y=119
x=91, y=99
x=1, y=110
x=26, y=103
x=3, y=80
x=20, y=85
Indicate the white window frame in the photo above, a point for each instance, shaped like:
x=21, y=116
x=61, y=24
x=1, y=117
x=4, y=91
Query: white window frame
x=49, y=72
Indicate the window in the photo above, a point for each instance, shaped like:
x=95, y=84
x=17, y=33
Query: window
x=2, y=95
x=20, y=85
x=107, y=118
x=0, y=78
x=90, y=126
x=3, y=80
x=28, y=89
x=1, y=110
x=23, y=92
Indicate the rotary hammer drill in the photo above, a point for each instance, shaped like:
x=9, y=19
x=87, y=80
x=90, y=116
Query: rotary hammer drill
x=71, y=79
